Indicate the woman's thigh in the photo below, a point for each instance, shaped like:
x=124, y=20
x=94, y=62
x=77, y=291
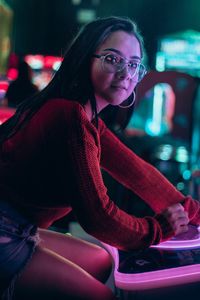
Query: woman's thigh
x=51, y=276
x=92, y=258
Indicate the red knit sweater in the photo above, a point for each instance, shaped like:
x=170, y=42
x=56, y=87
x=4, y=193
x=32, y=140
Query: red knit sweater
x=52, y=165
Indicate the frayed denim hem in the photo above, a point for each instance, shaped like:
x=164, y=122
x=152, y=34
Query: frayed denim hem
x=18, y=240
x=9, y=291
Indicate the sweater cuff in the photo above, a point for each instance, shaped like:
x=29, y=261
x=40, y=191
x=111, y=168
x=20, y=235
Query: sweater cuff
x=166, y=228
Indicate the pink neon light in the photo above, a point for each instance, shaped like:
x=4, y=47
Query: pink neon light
x=161, y=278
x=12, y=73
x=155, y=279
x=49, y=61
x=6, y=113
x=188, y=240
x=4, y=85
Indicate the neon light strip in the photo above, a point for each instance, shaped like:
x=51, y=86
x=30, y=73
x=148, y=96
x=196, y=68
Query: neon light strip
x=153, y=279
x=157, y=108
x=181, y=244
x=178, y=245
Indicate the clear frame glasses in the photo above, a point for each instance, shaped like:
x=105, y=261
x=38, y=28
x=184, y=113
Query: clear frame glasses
x=113, y=63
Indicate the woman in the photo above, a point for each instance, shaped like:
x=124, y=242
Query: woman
x=51, y=153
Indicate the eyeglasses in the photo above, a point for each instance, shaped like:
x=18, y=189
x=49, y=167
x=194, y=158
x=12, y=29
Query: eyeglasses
x=113, y=63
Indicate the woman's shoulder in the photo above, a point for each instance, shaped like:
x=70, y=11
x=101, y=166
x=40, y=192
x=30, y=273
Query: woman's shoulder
x=62, y=110
x=62, y=103
x=63, y=106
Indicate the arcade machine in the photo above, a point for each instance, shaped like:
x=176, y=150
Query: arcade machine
x=180, y=52
x=161, y=111
x=195, y=149
x=170, y=270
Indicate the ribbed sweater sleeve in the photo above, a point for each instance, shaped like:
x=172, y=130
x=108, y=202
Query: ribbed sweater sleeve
x=98, y=214
x=141, y=177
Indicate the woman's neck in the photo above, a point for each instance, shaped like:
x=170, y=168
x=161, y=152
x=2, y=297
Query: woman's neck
x=88, y=110
x=100, y=106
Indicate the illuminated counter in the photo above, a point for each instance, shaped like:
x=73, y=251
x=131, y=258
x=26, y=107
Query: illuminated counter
x=168, y=270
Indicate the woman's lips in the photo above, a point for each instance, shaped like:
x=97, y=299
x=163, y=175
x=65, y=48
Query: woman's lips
x=120, y=87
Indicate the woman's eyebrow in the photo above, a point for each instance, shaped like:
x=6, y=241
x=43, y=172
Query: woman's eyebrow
x=120, y=53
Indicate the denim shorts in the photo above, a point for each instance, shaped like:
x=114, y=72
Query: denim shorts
x=18, y=239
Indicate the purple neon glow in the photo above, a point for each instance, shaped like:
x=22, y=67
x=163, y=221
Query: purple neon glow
x=162, y=278
x=188, y=240
x=155, y=279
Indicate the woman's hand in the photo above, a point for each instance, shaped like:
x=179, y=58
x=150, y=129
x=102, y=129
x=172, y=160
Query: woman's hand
x=177, y=217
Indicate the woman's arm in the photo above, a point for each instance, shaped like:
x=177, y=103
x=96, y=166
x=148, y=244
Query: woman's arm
x=141, y=177
x=98, y=215
x=96, y=212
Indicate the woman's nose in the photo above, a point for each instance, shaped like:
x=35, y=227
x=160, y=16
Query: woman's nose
x=124, y=73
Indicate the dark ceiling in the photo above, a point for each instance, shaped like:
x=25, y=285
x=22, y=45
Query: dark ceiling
x=46, y=26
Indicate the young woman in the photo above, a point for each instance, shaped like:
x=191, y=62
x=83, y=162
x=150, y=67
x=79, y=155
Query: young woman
x=52, y=150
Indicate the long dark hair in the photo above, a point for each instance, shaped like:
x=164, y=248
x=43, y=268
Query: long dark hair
x=72, y=80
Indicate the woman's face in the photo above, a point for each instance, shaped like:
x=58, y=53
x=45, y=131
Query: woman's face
x=115, y=87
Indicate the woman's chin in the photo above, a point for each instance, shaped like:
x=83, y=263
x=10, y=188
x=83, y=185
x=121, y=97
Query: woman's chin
x=117, y=102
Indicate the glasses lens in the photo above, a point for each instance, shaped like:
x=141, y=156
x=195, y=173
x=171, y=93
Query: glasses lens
x=141, y=72
x=133, y=68
x=112, y=63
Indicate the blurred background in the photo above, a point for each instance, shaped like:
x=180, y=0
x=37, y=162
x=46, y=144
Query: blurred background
x=164, y=126
x=46, y=26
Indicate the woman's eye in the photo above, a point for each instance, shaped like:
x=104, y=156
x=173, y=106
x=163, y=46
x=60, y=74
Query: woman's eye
x=111, y=59
x=133, y=65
